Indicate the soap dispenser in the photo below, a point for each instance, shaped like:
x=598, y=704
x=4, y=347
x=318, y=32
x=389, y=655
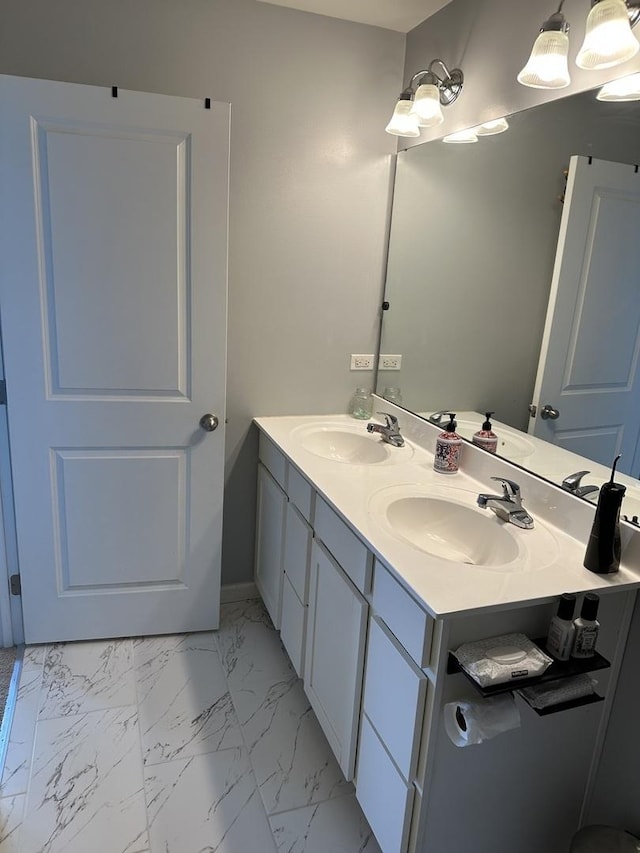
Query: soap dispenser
x=486, y=437
x=448, y=447
x=603, y=549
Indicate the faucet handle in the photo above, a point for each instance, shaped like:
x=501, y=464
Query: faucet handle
x=509, y=488
x=572, y=482
x=391, y=420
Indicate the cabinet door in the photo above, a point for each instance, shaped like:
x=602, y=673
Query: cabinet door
x=336, y=628
x=271, y=512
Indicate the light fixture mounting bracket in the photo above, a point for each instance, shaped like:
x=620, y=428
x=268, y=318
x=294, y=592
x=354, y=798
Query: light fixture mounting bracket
x=449, y=85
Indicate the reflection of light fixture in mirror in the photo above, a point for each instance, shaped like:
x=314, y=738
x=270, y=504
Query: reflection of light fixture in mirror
x=403, y=122
x=547, y=67
x=491, y=128
x=424, y=102
x=623, y=89
x=462, y=136
x=608, y=38
x=608, y=41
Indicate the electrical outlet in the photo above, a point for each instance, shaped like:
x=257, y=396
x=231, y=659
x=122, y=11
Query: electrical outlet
x=362, y=362
x=390, y=362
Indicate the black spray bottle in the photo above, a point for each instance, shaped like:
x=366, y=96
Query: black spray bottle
x=603, y=548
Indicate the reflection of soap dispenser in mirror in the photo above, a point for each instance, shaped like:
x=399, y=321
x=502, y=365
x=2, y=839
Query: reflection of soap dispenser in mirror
x=448, y=446
x=486, y=437
x=603, y=549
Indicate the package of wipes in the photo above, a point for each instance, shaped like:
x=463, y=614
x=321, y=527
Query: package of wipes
x=496, y=660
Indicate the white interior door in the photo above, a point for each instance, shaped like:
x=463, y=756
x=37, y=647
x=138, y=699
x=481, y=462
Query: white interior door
x=113, y=245
x=588, y=370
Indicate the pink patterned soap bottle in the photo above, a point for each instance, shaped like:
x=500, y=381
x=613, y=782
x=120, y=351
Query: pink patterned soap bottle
x=448, y=447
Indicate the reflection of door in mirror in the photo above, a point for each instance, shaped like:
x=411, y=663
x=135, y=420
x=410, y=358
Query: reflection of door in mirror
x=471, y=255
x=589, y=356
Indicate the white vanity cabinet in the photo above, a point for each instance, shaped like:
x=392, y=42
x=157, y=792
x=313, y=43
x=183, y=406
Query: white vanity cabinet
x=375, y=666
x=270, y=530
x=335, y=652
x=393, y=708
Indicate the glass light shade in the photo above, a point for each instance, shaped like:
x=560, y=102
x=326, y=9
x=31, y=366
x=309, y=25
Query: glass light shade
x=608, y=39
x=624, y=89
x=403, y=122
x=491, y=128
x=426, y=106
x=462, y=136
x=547, y=67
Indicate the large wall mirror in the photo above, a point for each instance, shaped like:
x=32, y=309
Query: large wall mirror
x=473, y=242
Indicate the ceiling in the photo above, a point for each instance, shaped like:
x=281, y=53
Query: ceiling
x=401, y=15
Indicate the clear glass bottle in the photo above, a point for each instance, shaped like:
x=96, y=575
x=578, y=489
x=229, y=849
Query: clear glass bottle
x=393, y=395
x=361, y=405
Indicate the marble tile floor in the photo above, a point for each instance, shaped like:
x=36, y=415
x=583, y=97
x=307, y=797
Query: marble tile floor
x=178, y=744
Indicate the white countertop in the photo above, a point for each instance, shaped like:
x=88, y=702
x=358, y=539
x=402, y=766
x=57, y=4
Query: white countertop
x=550, y=561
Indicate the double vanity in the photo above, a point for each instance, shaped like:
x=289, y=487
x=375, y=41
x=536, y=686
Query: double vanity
x=373, y=567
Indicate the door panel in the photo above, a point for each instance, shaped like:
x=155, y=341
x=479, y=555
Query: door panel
x=113, y=308
x=91, y=184
x=588, y=367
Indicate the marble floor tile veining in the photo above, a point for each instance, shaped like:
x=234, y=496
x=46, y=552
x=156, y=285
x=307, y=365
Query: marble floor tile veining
x=196, y=743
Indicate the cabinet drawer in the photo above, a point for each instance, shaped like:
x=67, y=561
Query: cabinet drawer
x=273, y=460
x=300, y=492
x=293, y=626
x=342, y=542
x=297, y=549
x=383, y=795
x=402, y=615
x=394, y=696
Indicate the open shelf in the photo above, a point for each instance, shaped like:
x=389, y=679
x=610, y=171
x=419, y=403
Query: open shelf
x=558, y=669
x=565, y=706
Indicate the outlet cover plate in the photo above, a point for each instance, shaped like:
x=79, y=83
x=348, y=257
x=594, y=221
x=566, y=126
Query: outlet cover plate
x=362, y=362
x=390, y=362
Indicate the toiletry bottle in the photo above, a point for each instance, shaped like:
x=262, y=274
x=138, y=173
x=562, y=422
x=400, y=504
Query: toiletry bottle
x=562, y=630
x=603, y=549
x=584, y=643
x=486, y=437
x=361, y=405
x=448, y=446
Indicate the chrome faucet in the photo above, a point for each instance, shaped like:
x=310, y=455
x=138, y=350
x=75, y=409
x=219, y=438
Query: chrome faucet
x=572, y=484
x=436, y=417
x=508, y=505
x=390, y=432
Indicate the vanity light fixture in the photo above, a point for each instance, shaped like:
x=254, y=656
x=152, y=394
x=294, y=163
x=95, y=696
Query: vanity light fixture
x=623, y=89
x=547, y=67
x=608, y=41
x=462, y=136
x=491, y=128
x=419, y=105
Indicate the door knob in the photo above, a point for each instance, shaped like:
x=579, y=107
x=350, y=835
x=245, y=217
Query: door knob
x=548, y=412
x=209, y=422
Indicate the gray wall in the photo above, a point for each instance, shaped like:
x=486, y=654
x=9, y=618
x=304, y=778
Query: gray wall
x=309, y=183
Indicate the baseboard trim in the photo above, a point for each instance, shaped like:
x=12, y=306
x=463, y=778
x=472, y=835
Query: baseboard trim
x=238, y=592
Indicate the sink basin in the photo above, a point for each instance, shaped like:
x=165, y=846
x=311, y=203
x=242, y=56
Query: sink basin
x=349, y=444
x=452, y=531
x=447, y=524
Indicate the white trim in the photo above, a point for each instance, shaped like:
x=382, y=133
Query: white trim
x=238, y=592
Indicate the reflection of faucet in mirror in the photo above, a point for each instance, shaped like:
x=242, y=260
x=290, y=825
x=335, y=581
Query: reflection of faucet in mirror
x=390, y=432
x=508, y=505
x=572, y=484
x=436, y=417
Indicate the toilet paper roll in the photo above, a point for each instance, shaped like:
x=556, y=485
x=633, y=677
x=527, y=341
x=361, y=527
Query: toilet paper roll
x=468, y=722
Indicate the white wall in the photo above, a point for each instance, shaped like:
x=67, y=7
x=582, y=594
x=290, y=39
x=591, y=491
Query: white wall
x=309, y=183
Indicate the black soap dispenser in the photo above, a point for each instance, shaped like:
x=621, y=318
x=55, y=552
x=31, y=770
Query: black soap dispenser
x=603, y=548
